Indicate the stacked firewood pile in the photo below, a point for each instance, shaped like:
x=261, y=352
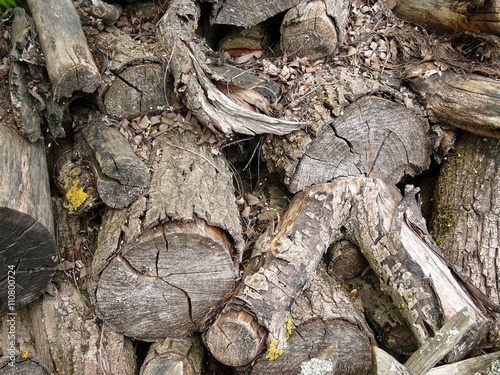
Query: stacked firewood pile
x=210, y=187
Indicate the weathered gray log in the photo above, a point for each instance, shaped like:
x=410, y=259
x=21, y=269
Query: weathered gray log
x=385, y=364
x=453, y=16
x=27, y=245
x=175, y=357
x=323, y=317
x=134, y=81
x=70, y=64
x=121, y=176
x=486, y=363
x=25, y=106
x=465, y=220
x=374, y=137
x=108, y=13
x=171, y=258
x=390, y=233
x=248, y=13
x=69, y=340
x=467, y=101
x=212, y=108
x=314, y=28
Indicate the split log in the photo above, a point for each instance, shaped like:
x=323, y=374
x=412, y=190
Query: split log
x=452, y=16
x=470, y=102
x=134, y=79
x=175, y=356
x=121, y=176
x=385, y=364
x=27, y=245
x=247, y=13
x=487, y=363
x=70, y=64
x=390, y=233
x=466, y=212
x=314, y=28
x=323, y=317
x=69, y=340
x=172, y=257
x=212, y=108
x=375, y=137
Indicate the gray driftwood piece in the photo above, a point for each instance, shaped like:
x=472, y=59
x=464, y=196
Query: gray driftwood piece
x=164, y=267
x=25, y=106
x=27, y=244
x=69, y=340
x=121, y=176
x=192, y=83
x=467, y=101
x=390, y=232
x=247, y=13
x=486, y=364
x=70, y=64
x=175, y=357
x=314, y=28
x=374, y=137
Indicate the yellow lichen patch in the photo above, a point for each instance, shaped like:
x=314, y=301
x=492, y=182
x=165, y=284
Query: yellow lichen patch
x=75, y=196
x=288, y=328
x=273, y=352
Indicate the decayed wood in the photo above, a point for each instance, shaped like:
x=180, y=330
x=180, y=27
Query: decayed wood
x=69, y=341
x=25, y=106
x=470, y=102
x=135, y=81
x=212, y=108
x=389, y=232
x=108, y=13
x=175, y=356
x=375, y=137
x=247, y=13
x=171, y=258
x=27, y=244
x=121, y=176
x=70, y=64
x=453, y=16
x=314, y=28
x=323, y=318
x=466, y=212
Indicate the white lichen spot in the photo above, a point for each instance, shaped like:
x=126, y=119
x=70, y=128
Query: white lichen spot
x=316, y=367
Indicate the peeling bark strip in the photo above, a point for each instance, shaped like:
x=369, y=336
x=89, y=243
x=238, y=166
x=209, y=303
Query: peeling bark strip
x=389, y=232
x=193, y=85
x=70, y=64
x=470, y=102
x=164, y=267
x=121, y=176
x=27, y=244
x=375, y=137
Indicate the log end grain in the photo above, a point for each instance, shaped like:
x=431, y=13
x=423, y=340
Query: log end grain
x=84, y=77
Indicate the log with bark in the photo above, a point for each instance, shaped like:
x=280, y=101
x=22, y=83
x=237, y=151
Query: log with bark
x=375, y=137
x=70, y=64
x=470, y=102
x=390, y=232
x=172, y=257
x=314, y=28
x=27, y=244
x=476, y=16
x=192, y=82
x=465, y=218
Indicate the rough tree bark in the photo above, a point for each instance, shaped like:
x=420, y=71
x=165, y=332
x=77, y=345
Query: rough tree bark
x=172, y=257
x=389, y=232
x=470, y=102
x=27, y=244
x=465, y=219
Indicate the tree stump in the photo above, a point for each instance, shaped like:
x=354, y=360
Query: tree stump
x=172, y=257
x=27, y=245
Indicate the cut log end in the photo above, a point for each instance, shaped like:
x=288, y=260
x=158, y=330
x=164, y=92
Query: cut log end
x=84, y=78
x=26, y=259
x=154, y=279
x=235, y=338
